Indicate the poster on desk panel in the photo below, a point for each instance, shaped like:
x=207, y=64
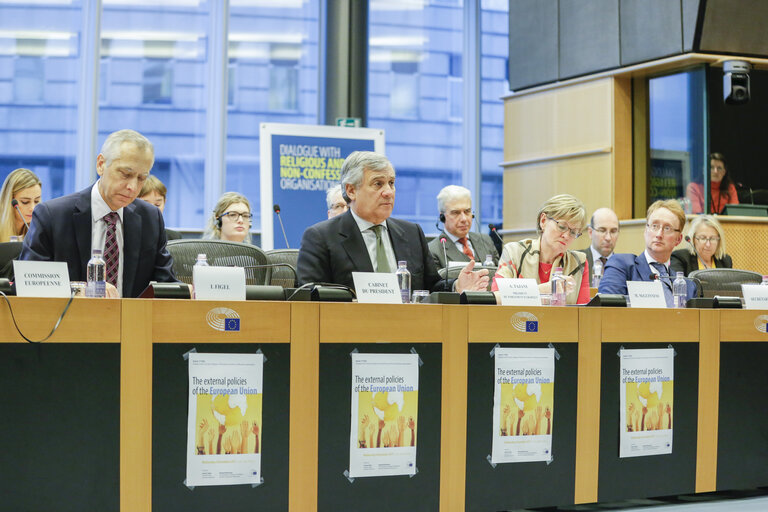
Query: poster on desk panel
x=384, y=423
x=523, y=404
x=646, y=408
x=224, y=424
x=298, y=164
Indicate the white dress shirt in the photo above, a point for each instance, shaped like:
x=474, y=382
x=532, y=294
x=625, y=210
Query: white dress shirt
x=99, y=209
x=369, y=237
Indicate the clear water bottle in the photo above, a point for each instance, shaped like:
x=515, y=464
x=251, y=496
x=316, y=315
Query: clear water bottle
x=598, y=273
x=765, y=281
x=488, y=260
x=96, y=286
x=680, y=290
x=559, y=287
x=404, y=281
x=201, y=261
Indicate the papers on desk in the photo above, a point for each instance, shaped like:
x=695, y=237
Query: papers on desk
x=523, y=404
x=384, y=419
x=224, y=434
x=646, y=398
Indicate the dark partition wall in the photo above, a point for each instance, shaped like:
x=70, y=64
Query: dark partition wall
x=60, y=426
x=528, y=484
x=376, y=494
x=551, y=40
x=657, y=475
x=170, y=398
x=742, y=444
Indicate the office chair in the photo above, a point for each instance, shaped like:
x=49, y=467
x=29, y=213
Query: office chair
x=723, y=281
x=9, y=251
x=220, y=253
x=285, y=274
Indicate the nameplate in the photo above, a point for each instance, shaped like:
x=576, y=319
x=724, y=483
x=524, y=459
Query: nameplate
x=755, y=296
x=41, y=278
x=376, y=288
x=646, y=294
x=518, y=292
x=219, y=283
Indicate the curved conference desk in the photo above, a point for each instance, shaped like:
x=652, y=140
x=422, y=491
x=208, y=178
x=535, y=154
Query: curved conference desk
x=95, y=417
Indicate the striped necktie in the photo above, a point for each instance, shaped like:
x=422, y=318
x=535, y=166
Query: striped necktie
x=111, y=250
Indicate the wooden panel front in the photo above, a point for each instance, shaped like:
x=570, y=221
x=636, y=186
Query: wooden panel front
x=497, y=324
x=86, y=320
x=186, y=321
x=373, y=323
x=651, y=325
x=743, y=325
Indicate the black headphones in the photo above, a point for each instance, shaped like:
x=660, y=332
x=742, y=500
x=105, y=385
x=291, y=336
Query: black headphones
x=442, y=217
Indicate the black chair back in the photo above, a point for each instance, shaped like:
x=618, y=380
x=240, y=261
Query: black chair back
x=219, y=253
x=284, y=272
x=723, y=281
x=9, y=251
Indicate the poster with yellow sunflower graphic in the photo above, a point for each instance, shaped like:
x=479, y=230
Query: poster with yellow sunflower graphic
x=224, y=430
x=385, y=407
x=523, y=404
x=646, y=396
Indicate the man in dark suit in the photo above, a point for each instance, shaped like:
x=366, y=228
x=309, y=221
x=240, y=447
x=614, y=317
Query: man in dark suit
x=455, y=206
x=665, y=221
x=604, y=232
x=105, y=216
x=367, y=239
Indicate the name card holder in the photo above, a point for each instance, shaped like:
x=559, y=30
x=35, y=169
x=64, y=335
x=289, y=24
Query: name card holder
x=41, y=279
x=755, y=296
x=519, y=292
x=646, y=294
x=376, y=288
x=219, y=283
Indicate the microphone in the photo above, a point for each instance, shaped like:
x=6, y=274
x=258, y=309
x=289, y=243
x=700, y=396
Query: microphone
x=445, y=256
x=15, y=204
x=276, y=207
x=492, y=227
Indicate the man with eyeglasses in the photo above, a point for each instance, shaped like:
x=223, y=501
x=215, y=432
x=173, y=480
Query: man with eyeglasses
x=336, y=203
x=455, y=206
x=107, y=217
x=665, y=221
x=603, y=229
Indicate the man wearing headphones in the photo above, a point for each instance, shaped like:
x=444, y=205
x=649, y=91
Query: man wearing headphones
x=461, y=245
x=367, y=239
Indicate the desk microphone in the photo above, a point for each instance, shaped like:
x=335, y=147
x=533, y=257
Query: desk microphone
x=492, y=227
x=445, y=257
x=276, y=207
x=15, y=204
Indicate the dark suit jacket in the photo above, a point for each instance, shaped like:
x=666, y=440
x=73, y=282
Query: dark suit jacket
x=332, y=249
x=481, y=244
x=590, y=262
x=683, y=261
x=61, y=231
x=621, y=268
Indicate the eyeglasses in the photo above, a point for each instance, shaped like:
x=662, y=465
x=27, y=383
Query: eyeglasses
x=563, y=227
x=666, y=228
x=606, y=231
x=233, y=216
x=704, y=239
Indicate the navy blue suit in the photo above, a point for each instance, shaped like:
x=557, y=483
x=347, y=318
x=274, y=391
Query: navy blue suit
x=332, y=249
x=621, y=268
x=61, y=231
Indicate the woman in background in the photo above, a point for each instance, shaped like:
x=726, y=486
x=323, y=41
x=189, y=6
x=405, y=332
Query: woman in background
x=722, y=190
x=231, y=219
x=707, y=250
x=560, y=221
x=154, y=192
x=25, y=187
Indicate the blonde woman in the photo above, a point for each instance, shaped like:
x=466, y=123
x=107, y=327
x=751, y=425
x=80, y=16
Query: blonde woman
x=707, y=249
x=231, y=219
x=25, y=187
x=560, y=221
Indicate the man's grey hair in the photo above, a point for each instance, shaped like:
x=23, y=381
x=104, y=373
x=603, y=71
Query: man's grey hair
x=330, y=194
x=450, y=194
x=111, y=147
x=355, y=166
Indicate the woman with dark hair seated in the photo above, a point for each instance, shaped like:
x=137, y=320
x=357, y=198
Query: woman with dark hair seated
x=722, y=190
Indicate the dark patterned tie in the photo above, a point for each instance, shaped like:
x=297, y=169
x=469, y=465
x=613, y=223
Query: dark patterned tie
x=666, y=284
x=111, y=251
x=467, y=251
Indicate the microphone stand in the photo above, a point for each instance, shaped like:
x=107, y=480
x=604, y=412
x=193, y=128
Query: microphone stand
x=15, y=204
x=445, y=257
x=277, y=211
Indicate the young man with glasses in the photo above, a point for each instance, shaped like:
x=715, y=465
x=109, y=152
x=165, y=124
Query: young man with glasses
x=665, y=221
x=603, y=229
